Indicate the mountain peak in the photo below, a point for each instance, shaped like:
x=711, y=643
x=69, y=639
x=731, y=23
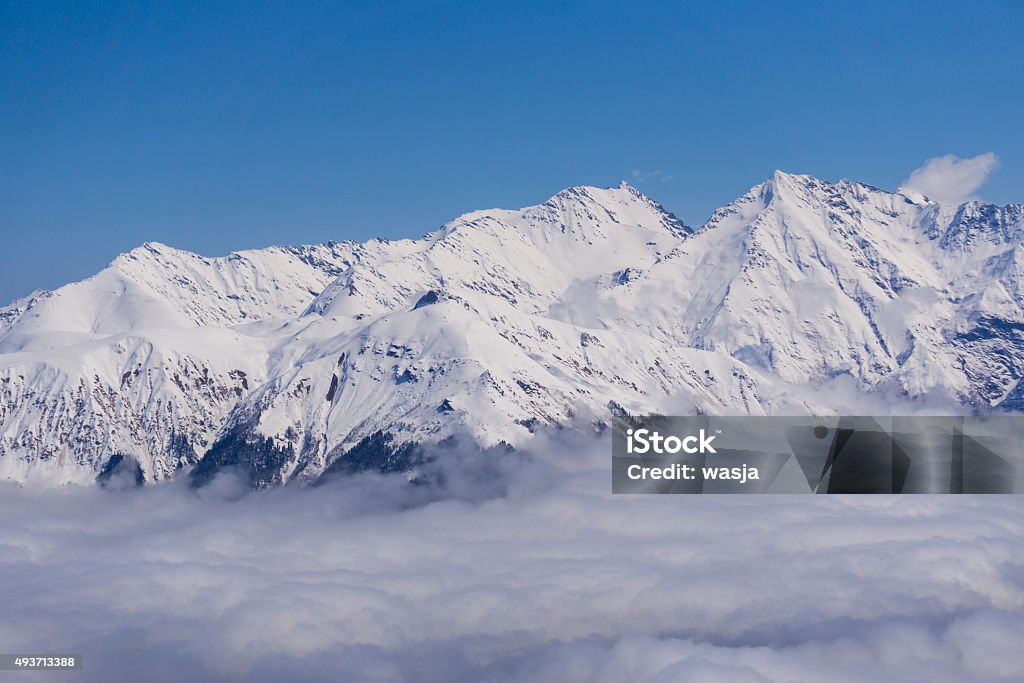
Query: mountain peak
x=146, y=251
x=623, y=204
x=796, y=181
x=595, y=193
x=510, y=318
x=804, y=187
x=576, y=206
x=778, y=175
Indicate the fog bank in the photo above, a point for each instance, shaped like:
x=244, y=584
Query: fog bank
x=526, y=569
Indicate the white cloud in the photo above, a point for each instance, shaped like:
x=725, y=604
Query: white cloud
x=526, y=569
x=951, y=180
x=640, y=176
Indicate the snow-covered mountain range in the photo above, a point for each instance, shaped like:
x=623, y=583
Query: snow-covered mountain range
x=288, y=360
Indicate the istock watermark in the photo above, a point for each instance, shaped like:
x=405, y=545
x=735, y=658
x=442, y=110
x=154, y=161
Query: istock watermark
x=818, y=454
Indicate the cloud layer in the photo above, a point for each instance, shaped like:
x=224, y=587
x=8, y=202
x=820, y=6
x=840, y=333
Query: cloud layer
x=523, y=570
x=951, y=180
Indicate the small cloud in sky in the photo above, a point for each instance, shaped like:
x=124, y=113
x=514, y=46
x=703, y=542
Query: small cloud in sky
x=640, y=176
x=951, y=180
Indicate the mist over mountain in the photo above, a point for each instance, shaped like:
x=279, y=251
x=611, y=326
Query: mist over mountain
x=293, y=362
x=532, y=573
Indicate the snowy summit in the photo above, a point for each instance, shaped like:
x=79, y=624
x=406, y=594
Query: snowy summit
x=284, y=360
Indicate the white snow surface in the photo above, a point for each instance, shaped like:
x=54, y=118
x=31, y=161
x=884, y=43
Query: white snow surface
x=499, y=321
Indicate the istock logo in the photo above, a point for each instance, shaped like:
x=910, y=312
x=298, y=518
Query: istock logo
x=645, y=441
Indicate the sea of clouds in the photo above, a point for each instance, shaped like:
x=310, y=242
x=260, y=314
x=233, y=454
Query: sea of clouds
x=520, y=568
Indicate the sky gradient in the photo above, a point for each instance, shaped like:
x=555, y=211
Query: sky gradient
x=226, y=126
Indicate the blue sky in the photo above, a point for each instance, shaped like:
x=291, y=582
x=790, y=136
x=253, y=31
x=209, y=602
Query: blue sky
x=219, y=126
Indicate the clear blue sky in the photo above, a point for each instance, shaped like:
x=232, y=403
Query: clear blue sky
x=214, y=126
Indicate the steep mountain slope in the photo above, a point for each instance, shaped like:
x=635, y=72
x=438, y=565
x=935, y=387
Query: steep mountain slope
x=282, y=361
x=141, y=359
x=803, y=278
x=159, y=398
x=429, y=338
x=156, y=286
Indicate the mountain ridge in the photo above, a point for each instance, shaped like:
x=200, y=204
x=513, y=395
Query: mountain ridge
x=502, y=320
